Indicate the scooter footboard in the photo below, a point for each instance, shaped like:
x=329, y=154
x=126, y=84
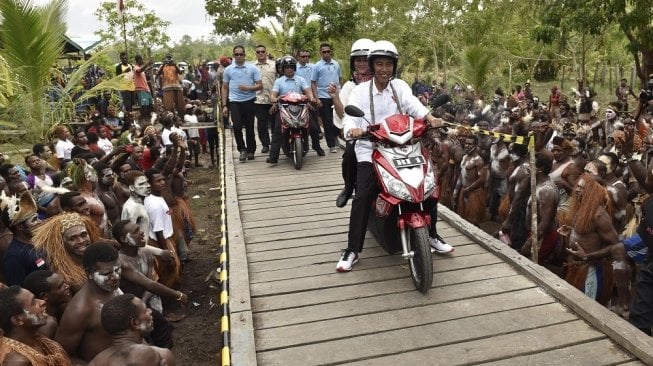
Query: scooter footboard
x=385, y=231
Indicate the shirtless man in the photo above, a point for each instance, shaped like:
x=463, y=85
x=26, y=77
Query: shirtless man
x=21, y=316
x=80, y=331
x=51, y=288
x=547, y=206
x=126, y=319
x=617, y=190
x=564, y=175
x=85, y=178
x=120, y=187
x=519, y=189
x=591, y=239
x=469, y=194
x=134, y=209
x=104, y=191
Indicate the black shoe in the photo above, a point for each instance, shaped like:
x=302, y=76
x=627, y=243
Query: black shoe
x=243, y=156
x=272, y=161
x=319, y=151
x=265, y=150
x=250, y=156
x=343, y=197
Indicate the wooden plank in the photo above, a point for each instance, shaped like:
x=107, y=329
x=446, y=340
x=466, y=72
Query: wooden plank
x=269, y=314
x=430, y=335
x=283, y=261
x=606, y=321
x=284, y=221
x=350, y=288
x=481, y=350
x=440, y=263
x=393, y=319
x=596, y=353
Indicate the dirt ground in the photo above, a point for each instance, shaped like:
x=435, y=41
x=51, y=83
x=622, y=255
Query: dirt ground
x=197, y=337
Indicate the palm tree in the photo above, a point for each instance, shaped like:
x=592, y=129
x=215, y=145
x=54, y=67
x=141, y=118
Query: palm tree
x=32, y=40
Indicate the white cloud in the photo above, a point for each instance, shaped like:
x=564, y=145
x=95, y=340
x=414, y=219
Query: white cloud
x=186, y=17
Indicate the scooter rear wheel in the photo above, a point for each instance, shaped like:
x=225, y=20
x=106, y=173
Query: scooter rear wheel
x=298, y=153
x=421, y=264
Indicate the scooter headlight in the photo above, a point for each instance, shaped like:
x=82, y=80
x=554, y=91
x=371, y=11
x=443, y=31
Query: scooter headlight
x=394, y=186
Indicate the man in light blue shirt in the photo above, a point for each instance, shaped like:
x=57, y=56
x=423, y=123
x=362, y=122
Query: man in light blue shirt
x=326, y=72
x=305, y=70
x=289, y=83
x=240, y=83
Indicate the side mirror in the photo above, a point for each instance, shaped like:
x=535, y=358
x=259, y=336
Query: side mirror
x=354, y=111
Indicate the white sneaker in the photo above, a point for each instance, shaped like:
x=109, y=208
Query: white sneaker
x=347, y=261
x=439, y=246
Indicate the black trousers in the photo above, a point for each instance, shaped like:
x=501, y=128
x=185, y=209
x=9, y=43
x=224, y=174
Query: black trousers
x=367, y=188
x=275, y=145
x=330, y=130
x=314, y=129
x=349, y=164
x=212, y=138
x=641, y=311
x=263, y=122
x=242, y=115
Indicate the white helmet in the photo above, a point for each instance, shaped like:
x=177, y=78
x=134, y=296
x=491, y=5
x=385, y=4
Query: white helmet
x=385, y=49
x=361, y=47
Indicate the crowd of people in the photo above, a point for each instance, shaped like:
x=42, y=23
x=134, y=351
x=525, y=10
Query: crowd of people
x=95, y=229
x=593, y=181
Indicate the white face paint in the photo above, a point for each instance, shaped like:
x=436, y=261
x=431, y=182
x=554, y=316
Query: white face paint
x=145, y=327
x=610, y=114
x=141, y=186
x=504, y=120
x=36, y=319
x=107, y=280
x=514, y=157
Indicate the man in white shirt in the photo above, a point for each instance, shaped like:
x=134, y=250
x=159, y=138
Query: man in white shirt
x=64, y=146
x=190, y=119
x=379, y=98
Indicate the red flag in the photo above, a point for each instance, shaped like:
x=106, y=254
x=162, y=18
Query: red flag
x=121, y=6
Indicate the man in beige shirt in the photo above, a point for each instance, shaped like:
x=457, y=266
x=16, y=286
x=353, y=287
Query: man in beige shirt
x=262, y=104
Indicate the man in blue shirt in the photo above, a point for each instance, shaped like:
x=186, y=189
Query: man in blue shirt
x=289, y=83
x=240, y=83
x=20, y=216
x=305, y=70
x=326, y=72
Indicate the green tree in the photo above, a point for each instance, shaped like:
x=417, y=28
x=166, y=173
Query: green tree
x=144, y=29
x=32, y=39
x=590, y=18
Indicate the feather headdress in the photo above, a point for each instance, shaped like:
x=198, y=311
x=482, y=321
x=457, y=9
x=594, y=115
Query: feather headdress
x=17, y=209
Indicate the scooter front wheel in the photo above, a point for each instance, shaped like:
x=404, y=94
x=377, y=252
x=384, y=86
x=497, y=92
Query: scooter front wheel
x=298, y=154
x=421, y=264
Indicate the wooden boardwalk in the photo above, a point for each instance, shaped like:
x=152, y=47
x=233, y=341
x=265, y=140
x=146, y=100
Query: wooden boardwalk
x=488, y=305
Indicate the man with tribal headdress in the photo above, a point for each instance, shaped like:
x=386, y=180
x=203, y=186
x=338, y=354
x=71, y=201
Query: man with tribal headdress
x=21, y=316
x=84, y=179
x=591, y=239
x=64, y=239
x=564, y=175
x=20, y=259
x=469, y=194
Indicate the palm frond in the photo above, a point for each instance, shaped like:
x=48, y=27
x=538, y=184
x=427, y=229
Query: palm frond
x=477, y=63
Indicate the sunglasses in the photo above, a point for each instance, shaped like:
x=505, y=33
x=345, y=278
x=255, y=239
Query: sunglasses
x=239, y=54
x=259, y=52
x=326, y=51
